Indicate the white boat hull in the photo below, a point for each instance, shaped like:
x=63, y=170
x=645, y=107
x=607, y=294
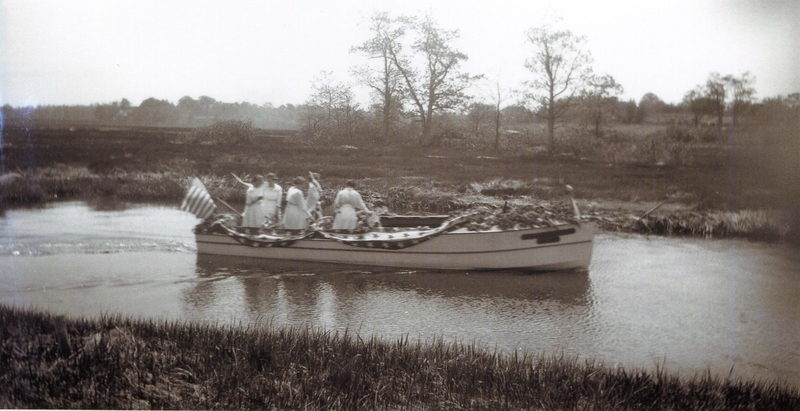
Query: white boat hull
x=545, y=249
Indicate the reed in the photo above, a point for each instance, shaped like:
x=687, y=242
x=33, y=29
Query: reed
x=48, y=361
x=750, y=224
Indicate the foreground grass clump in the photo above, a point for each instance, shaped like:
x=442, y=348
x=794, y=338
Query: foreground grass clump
x=114, y=362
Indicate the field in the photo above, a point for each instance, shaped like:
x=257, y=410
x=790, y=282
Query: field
x=723, y=183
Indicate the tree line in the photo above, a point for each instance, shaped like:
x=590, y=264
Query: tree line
x=420, y=94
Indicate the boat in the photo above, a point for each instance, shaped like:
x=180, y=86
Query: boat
x=408, y=242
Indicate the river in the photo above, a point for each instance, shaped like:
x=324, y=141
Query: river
x=688, y=305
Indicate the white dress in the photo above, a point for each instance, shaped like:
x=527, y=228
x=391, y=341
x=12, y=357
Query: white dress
x=295, y=216
x=254, y=215
x=272, y=202
x=346, y=203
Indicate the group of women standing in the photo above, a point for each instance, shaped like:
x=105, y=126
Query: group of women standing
x=263, y=203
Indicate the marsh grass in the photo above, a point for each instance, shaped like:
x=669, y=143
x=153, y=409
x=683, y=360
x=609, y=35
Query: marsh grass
x=760, y=225
x=756, y=225
x=48, y=361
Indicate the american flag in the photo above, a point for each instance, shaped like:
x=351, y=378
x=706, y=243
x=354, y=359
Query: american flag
x=198, y=201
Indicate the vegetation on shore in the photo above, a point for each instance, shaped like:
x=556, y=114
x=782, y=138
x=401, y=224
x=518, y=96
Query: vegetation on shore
x=49, y=361
x=704, y=199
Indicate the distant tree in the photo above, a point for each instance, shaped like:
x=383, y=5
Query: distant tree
x=517, y=115
x=698, y=104
x=715, y=94
x=497, y=96
x=599, y=100
x=154, y=112
x=433, y=80
x=330, y=112
x=7, y=113
x=651, y=104
x=560, y=65
x=720, y=95
x=780, y=111
x=383, y=78
x=630, y=113
x=743, y=94
x=478, y=115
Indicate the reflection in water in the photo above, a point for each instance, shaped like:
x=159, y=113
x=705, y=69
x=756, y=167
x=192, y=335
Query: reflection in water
x=516, y=309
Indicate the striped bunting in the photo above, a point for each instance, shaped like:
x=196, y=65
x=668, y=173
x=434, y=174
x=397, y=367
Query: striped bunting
x=264, y=240
x=198, y=201
x=395, y=240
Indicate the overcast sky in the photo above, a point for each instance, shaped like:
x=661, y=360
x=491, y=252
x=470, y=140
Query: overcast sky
x=84, y=52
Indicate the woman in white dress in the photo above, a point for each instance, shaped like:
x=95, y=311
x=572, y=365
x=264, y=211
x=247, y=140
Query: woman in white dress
x=346, y=203
x=296, y=215
x=312, y=200
x=253, y=215
x=273, y=194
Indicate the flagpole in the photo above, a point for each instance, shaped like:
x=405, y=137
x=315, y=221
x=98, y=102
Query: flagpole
x=231, y=208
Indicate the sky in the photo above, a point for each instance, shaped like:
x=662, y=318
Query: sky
x=100, y=51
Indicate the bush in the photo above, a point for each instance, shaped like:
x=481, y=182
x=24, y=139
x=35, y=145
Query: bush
x=225, y=132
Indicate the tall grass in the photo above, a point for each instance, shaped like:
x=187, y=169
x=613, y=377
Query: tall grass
x=749, y=224
x=114, y=362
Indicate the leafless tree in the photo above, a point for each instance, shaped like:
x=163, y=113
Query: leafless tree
x=433, y=82
x=383, y=78
x=560, y=65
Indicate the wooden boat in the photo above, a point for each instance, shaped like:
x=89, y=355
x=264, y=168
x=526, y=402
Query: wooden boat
x=450, y=246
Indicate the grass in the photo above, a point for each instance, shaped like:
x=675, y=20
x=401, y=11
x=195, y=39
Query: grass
x=49, y=361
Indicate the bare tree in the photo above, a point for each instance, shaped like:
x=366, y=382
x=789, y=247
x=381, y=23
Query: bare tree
x=697, y=104
x=497, y=96
x=720, y=94
x=437, y=85
x=599, y=98
x=743, y=94
x=715, y=93
x=560, y=66
x=383, y=78
x=330, y=111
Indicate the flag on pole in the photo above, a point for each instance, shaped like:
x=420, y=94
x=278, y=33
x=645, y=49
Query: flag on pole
x=198, y=201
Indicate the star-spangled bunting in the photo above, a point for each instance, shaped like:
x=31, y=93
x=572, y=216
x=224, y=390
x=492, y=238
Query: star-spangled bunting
x=394, y=241
x=377, y=240
x=263, y=239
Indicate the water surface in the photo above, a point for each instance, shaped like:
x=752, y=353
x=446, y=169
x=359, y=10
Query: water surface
x=687, y=304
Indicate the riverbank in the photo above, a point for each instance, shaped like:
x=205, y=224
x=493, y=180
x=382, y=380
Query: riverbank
x=708, y=198
x=49, y=361
x=670, y=217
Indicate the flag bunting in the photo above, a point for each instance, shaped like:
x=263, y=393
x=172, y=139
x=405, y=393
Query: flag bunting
x=395, y=240
x=198, y=201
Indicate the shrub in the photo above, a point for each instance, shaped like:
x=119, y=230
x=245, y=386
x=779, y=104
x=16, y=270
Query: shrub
x=225, y=132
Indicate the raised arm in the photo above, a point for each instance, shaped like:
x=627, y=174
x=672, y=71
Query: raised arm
x=240, y=180
x=314, y=181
